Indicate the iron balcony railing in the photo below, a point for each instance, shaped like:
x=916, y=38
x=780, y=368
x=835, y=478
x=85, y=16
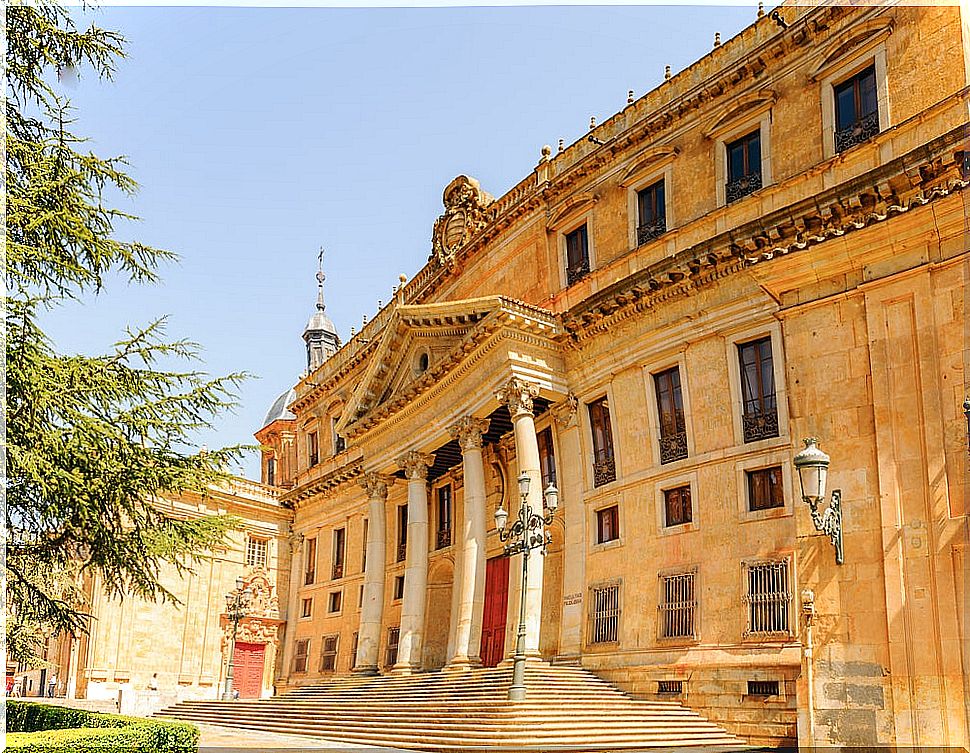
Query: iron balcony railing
x=862, y=130
x=760, y=425
x=650, y=230
x=673, y=447
x=442, y=538
x=604, y=471
x=402, y=551
x=735, y=189
x=577, y=272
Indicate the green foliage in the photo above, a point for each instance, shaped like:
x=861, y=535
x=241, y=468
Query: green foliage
x=93, y=442
x=38, y=727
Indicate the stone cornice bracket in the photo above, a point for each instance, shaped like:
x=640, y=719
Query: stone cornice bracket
x=469, y=431
x=376, y=484
x=518, y=395
x=295, y=540
x=564, y=412
x=415, y=464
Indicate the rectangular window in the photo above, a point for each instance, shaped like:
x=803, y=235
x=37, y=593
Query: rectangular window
x=547, y=458
x=339, y=545
x=651, y=213
x=677, y=506
x=363, y=548
x=307, y=608
x=339, y=443
x=300, y=653
x=443, y=531
x=256, y=551
x=678, y=606
x=398, y=587
x=360, y=596
x=673, y=687
x=271, y=472
x=393, y=637
x=334, y=602
x=856, y=109
x=310, y=565
x=763, y=687
x=743, y=166
x=402, y=533
x=577, y=255
x=604, y=465
x=765, y=489
x=768, y=598
x=313, y=448
x=670, y=409
x=759, y=416
x=605, y=617
x=328, y=655
x=607, y=524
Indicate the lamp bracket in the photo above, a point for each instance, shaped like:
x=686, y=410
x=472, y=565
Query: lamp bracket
x=830, y=522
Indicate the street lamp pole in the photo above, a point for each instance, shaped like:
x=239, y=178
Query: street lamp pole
x=237, y=602
x=526, y=533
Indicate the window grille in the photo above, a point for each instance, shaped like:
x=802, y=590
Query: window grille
x=328, y=656
x=577, y=255
x=678, y=605
x=670, y=409
x=393, y=637
x=768, y=598
x=652, y=214
x=605, y=618
x=760, y=406
x=763, y=687
x=604, y=465
x=856, y=110
x=670, y=686
x=256, y=552
x=301, y=650
x=744, y=166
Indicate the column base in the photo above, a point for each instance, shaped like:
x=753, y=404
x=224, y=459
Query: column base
x=403, y=670
x=463, y=664
x=368, y=669
x=530, y=659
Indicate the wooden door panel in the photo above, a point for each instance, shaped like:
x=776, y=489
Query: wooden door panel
x=495, y=612
x=247, y=671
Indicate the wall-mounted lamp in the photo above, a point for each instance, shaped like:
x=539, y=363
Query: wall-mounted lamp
x=966, y=412
x=813, y=466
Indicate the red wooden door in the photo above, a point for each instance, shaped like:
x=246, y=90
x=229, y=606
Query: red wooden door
x=496, y=610
x=247, y=669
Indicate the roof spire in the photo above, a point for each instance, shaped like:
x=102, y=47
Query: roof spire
x=320, y=278
x=320, y=335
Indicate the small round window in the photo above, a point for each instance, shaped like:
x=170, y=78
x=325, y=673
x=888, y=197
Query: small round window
x=422, y=363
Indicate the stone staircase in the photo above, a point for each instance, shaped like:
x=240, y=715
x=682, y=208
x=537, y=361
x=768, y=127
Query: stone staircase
x=566, y=708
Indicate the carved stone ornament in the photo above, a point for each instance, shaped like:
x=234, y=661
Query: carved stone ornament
x=465, y=205
x=564, y=412
x=251, y=630
x=468, y=431
x=294, y=539
x=264, y=602
x=415, y=464
x=375, y=484
x=518, y=394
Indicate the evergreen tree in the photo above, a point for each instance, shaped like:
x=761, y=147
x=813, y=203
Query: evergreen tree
x=92, y=443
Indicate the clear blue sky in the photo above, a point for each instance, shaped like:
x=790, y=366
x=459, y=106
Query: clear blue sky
x=260, y=134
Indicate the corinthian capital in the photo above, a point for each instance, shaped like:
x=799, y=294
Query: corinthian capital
x=375, y=484
x=415, y=464
x=518, y=394
x=468, y=430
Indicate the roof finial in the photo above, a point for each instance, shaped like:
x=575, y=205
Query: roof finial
x=666, y=73
x=320, y=278
x=761, y=9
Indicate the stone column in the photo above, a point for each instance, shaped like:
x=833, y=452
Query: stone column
x=415, y=465
x=471, y=584
x=372, y=610
x=290, y=613
x=518, y=394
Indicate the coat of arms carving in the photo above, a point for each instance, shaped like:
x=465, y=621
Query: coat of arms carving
x=465, y=204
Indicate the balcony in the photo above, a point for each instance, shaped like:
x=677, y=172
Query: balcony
x=735, y=189
x=442, y=538
x=604, y=471
x=577, y=272
x=650, y=230
x=862, y=130
x=338, y=571
x=760, y=425
x=402, y=551
x=673, y=447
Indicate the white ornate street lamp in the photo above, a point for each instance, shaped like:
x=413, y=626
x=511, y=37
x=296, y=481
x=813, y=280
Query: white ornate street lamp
x=237, y=602
x=813, y=467
x=527, y=533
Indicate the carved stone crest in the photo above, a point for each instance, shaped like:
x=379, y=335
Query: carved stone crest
x=465, y=204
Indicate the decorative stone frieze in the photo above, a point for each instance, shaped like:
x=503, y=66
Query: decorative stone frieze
x=415, y=464
x=518, y=395
x=469, y=431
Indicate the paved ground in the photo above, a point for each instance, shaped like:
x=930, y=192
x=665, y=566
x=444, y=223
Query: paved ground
x=217, y=739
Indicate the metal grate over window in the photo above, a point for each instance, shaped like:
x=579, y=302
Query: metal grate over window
x=328, y=654
x=300, y=653
x=670, y=686
x=605, y=618
x=768, y=598
x=763, y=687
x=393, y=638
x=256, y=552
x=678, y=605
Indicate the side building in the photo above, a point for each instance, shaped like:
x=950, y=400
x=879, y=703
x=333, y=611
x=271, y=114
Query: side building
x=770, y=245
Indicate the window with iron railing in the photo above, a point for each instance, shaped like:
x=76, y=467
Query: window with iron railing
x=301, y=650
x=339, y=545
x=743, y=166
x=605, y=614
x=547, y=457
x=677, y=506
x=256, y=551
x=393, y=638
x=443, y=530
x=670, y=410
x=651, y=212
x=759, y=416
x=577, y=255
x=328, y=654
x=310, y=562
x=604, y=464
x=768, y=598
x=678, y=605
x=856, y=109
x=402, y=532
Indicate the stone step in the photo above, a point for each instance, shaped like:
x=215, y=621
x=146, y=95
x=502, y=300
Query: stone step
x=518, y=710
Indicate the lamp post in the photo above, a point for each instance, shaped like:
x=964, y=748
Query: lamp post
x=237, y=602
x=813, y=465
x=525, y=534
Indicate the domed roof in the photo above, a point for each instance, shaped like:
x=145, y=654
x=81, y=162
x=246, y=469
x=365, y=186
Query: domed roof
x=320, y=322
x=279, y=410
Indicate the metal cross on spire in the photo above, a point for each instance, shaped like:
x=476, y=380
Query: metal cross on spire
x=320, y=278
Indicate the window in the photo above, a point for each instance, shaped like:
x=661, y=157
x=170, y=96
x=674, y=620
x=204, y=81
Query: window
x=607, y=524
x=313, y=448
x=763, y=687
x=856, y=109
x=398, y=587
x=328, y=655
x=271, y=472
x=547, y=458
x=604, y=466
x=577, y=255
x=339, y=443
x=423, y=362
x=334, y=602
x=651, y=213
x=393, y=637
x=768, y=598
x=765, y=489
x=339, y=544
x=353, y=653
x=360, y=596
x=670, y=409
x=363, y=548
x=402, y=533
x=310, y=565
x=300, y=653
x=743, y=166
x=759, y=416
x=605, y=618
x=677, y=506
x=678, y=605
x=443, y=533
x=307, y=610
x=672, y=687
x=256, y=551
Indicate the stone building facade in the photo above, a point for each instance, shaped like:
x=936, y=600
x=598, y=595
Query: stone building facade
x=770, y=245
